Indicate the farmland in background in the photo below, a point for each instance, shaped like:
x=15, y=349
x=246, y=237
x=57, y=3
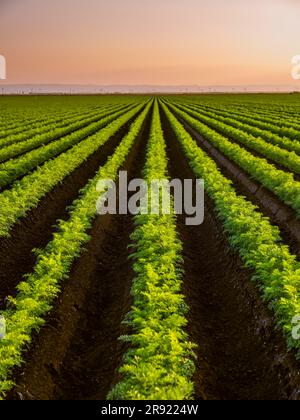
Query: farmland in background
x=145, y=307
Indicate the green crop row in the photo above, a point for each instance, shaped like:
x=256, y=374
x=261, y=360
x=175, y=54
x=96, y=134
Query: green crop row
x=271, y=133
x=159, y=364
x=52, y=110
x=258, y=242
x=29, y=129
x=15, y=168
x=36, y=294
x=289, y=118
x=26, y=194
x=50, y=123
x=277, y=125
x=269, y=120
x=41, y=140
x=279, y=182
x=280, y=115
x=14, y=123
x=289, y=160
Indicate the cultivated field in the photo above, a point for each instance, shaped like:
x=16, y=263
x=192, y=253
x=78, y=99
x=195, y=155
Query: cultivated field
x=203, y=312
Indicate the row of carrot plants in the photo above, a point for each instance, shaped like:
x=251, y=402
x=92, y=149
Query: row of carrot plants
x=289, y=160
x=13, y=149
x=14, y=123
x=270, y=111
x=159, y=364
x=257, y=241
x=51, y=110
x=277, y=124
x=26, y=313
x=27, y=193
x=28, y=129
x=269, y=120
x=269, y=132
x=281, y=183
x=270, y=108
x=15, y=168
x=288, y=118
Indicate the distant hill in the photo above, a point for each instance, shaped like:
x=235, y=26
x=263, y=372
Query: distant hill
x=123, y=89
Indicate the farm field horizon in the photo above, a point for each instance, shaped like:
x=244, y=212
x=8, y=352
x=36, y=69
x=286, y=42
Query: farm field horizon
x=143, y=306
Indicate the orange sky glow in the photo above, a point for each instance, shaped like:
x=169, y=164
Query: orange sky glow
x=163, y=42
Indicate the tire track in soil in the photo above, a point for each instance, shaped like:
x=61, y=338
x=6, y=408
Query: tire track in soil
x=240, y=356
x=77, y=354
x=36, y=229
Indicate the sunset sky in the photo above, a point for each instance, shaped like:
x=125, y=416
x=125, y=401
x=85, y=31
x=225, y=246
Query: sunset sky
x=165, y=42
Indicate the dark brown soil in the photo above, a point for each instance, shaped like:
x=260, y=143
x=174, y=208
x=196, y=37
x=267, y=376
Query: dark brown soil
x=241, y=355
x=77, y=354
x=36, y=229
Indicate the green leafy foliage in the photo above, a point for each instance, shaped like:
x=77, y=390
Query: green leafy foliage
x=36, y=294
x=253, y=128
x=279, y=182
x=26, y=194
x=16, y=144
x=269, y=126
x=288, y=159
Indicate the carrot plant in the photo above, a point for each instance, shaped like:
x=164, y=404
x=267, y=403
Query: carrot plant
x=266, y=126
x=26, y=312
x=14, y=168
x=159, y=364
x=26, y=194
x=288, y=159
x=257, y=241
x=53, y=112
x=27, y=140
x=247, y=125
x=279, y=182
